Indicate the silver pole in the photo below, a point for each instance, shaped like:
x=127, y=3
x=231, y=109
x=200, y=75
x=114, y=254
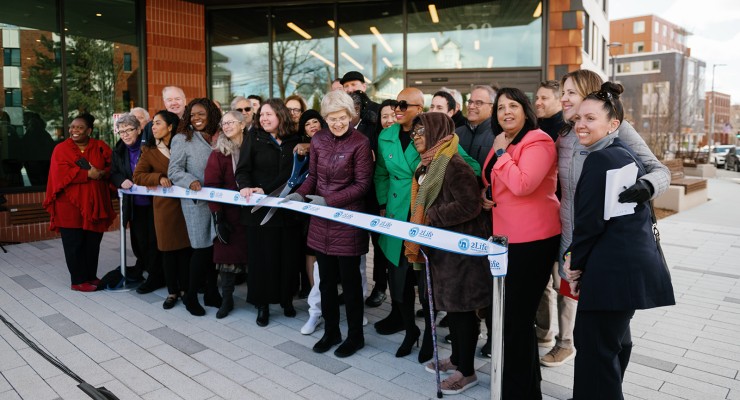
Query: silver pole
x=122, y=229
x=497, y=337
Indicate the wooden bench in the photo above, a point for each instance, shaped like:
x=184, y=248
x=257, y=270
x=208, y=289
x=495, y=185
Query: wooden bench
x=679, y=179
x=22, y=214
x=683, y=193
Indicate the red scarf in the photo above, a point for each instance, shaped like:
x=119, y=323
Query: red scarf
x=90, y=196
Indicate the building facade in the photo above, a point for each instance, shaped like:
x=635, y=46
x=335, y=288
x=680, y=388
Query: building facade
x=64, y=57
x=723, y=131
x=648, y=34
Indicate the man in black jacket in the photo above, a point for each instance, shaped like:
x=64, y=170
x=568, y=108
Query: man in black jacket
x=548, y=108
x=476, y=137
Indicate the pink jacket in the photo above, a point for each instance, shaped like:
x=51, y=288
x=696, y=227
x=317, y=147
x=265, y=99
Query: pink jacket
x=523, y=184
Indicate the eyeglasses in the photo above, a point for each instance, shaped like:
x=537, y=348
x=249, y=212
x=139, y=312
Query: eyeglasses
x=245, y=109
x=294, y=110
x=341, y=120
x=477, y=103
x=418, y=131
x=228, y=123
x=403, y=105
x=126, y=132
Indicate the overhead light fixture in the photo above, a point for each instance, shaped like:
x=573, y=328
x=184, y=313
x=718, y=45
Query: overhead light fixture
x=490, y=62
x=393, y=80
x=352, y=60
x=98, y=14
x=381, y=39
x=537, y=11
x=476, y=44
x=434, y=44
x=433, y=13
x=298, y=30
x=321, y=58
x=367, y=80
x=343, y=34
x=387, y=62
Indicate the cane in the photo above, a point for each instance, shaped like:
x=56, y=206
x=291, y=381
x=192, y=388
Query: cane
x=433, y=323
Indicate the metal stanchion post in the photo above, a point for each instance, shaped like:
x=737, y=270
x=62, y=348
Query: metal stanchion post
x=498, y=271
x=122, y=231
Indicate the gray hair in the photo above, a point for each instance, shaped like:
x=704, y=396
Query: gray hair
x=143, y=111
x=127, y=119
x=237, y=99
x=491, y=91
x=455, y=94
x=337, y=100
x=223, y=144
x=236, y=114
x=164, y=89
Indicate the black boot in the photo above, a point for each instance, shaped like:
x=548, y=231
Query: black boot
x=212, y=298
x=392, y=323
x=193, y=305
x=331, y=337
x=227, y=290
x=263, y=315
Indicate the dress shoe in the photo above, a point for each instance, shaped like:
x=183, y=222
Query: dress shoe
x=146, y=287
x=84, y=287
x=327, y=341
x=349, y=347
x=193, y=306
x=94, y=282
x=444, y=322
x=303, y=293
x=169, y=302
x=289, y=311
x=263, y=315
x=408, y=342
x=375, y=299
x=310, y=326
x=390, y=324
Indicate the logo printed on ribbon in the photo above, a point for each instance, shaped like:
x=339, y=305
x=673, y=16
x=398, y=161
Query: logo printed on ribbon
x=413, y=231
x=463, y=244
x=187, y=192
x=337, y=214
x=212, y=194
x=236, y=197
x=374, y=222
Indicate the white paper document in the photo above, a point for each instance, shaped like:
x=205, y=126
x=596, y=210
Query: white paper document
x=617, y=180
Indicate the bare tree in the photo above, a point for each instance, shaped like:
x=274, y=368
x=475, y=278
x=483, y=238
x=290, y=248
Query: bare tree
x=295, y=64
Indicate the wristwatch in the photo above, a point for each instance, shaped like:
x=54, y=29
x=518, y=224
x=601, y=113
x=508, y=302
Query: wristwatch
x=500, y=152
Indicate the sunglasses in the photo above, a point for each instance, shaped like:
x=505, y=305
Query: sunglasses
x=418, y=131
x=403, y=105
x=245, y=109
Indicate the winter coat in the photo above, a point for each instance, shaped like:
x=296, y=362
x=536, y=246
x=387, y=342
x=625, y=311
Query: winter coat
x=169, y=222
x=622, y=268
x=266, y=164
x=478, y=141
x=340, y=170
x=461, y=283
x=523, y=184
x=120, y=171
x=187, y=165
x=220, y=174
x=571, y=156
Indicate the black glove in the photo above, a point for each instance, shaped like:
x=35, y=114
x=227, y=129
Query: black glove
x=638, y=193
x=223, y=227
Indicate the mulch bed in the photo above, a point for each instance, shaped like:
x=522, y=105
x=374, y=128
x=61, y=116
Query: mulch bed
x=662, y=213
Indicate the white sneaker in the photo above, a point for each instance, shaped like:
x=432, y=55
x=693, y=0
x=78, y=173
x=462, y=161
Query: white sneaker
x=310, y=326
x=364, y=321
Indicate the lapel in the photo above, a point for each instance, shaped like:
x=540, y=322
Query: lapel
x=394, y=154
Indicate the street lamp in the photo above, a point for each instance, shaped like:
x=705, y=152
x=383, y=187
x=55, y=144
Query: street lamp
x=711, y=122
x=614, y=63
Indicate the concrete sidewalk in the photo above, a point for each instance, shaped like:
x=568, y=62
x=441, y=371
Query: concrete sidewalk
x=129, y=344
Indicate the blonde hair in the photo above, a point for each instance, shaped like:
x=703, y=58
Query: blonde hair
x=585, y=81
x=337, y=100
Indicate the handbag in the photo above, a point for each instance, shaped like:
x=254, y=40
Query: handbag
x=656, y=234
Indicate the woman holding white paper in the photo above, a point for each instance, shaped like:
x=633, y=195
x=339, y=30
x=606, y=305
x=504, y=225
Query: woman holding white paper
x=615, y=265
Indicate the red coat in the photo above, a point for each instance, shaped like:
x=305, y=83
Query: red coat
x=72, y=199
x=219, y=173
x=340, y=170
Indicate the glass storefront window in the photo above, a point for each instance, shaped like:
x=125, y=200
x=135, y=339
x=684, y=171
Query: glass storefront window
x=239, y=54
x=371, y=42
x=470, y=34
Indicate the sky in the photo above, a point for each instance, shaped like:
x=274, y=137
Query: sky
x=715, y=25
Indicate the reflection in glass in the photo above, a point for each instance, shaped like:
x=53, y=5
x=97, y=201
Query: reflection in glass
x=239, y=54
x=371, y=42
x=475, y=34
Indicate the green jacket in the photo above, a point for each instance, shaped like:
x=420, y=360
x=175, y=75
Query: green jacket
x=394, y=172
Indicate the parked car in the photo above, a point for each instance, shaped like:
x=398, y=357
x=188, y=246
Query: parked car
x=719, y=153
x=732, y=159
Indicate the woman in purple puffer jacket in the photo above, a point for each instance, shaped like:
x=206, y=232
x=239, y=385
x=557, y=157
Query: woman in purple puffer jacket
x=339, y=175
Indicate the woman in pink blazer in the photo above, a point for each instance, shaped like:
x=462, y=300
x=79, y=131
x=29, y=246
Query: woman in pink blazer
x=520, y=176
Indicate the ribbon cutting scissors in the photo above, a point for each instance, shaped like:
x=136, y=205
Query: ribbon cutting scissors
x=297, y=176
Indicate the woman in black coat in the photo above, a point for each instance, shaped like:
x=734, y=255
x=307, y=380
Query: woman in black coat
x=265, y=163
x=614, y=263
x=137, y=210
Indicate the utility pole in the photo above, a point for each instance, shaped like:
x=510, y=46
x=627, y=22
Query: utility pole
x=711, y=122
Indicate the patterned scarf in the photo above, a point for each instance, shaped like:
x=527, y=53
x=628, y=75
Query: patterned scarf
x=423, y=194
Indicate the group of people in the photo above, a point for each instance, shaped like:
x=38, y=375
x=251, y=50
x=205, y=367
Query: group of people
x=535, y=174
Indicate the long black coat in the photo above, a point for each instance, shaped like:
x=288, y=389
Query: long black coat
x=461, y=283
x=622, y=269
x=120, y=171
x=265, y=164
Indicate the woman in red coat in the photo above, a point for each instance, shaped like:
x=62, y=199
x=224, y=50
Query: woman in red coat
x=229, y=247
x=78, y=200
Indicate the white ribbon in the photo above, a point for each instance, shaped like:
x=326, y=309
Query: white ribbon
x=424, y=235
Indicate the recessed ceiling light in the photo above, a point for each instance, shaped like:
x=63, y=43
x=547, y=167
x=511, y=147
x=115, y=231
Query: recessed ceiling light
x=98, y=14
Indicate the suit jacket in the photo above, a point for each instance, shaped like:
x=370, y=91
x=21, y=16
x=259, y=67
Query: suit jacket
x=622, y=268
